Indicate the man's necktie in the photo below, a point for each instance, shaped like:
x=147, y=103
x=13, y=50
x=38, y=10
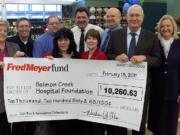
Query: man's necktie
x=106, y=40
x=81, y=43
x=132, y=45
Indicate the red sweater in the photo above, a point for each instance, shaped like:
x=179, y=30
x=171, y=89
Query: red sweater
x=97, y=55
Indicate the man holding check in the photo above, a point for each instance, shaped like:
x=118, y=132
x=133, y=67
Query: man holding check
x=136, y=45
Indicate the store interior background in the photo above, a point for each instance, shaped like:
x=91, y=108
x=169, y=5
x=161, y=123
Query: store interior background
x=153, y=9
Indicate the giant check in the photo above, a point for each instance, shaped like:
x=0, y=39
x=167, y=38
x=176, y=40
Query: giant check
x=107, y=92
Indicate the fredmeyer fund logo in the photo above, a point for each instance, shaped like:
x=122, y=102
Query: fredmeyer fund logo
x=37, y=68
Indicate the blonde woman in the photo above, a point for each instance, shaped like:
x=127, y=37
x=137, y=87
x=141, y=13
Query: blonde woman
x=165, y=90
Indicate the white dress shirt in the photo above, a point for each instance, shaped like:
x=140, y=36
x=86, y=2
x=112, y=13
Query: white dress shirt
x=77, y=33
x=129, y=37
x=166, y=44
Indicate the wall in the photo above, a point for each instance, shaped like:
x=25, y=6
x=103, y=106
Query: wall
x=173, y=8
x=153, y=12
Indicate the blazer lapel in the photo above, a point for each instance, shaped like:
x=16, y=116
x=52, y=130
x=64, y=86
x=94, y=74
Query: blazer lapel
x=124, y=41
x=10, y=49
x=140, y=42
x=162, y=52
x=171, y=50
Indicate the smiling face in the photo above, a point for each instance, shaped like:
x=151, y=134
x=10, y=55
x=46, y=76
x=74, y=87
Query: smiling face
x=3, y=33
x=81, y=19
x=63, y=44
x=166, y=29
x=92, y=42
x=135, y=17
x=53, y=24
x=113, y=17
x=23, y=29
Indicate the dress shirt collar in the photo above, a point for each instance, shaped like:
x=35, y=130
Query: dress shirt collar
x=137, y=32
x=116, y=28
x=51, y=33
x=85, y=29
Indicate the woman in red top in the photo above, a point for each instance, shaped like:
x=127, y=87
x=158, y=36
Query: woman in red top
x=93, y=41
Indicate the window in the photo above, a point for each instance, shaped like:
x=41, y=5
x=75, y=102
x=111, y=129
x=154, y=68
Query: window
x=50, y=7
x=23, y=7
x=59, y=8
x=11, y=7
x=37, y=7
x=32, y=11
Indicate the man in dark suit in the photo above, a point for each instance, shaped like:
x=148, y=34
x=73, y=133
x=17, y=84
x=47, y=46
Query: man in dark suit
x=136, y=45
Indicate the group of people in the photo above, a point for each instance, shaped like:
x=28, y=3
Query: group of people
x=161, y=51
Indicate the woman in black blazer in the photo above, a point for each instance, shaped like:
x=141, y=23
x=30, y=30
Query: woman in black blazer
x=165, y=88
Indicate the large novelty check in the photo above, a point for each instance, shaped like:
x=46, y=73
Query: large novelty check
x=107, y=92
